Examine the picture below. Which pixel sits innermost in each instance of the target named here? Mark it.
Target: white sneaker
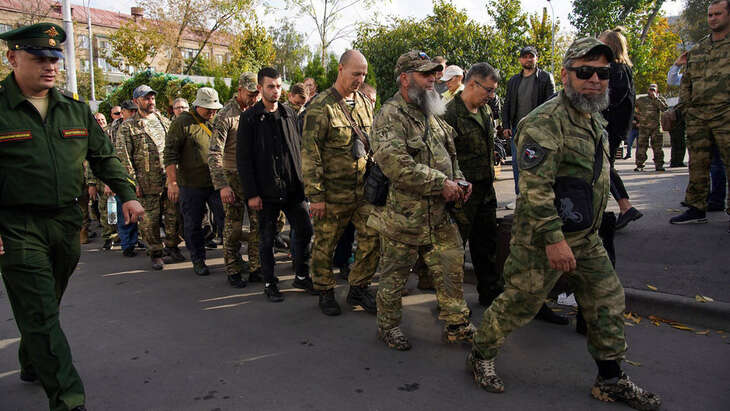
(511, 206)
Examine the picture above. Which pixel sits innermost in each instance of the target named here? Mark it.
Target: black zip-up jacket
(256, 149)
(622, 97)
(545, 89)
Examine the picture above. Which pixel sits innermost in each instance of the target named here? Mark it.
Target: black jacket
(545, 89)
(255, 156)
(622, 96)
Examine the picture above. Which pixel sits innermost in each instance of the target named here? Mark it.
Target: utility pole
(91, 50)
(69, 50)
(552, 19)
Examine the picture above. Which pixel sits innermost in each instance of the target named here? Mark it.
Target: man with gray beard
(563, 159)
(415, 150)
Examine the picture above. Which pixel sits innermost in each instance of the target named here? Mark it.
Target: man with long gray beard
(563, 159)
(415, 150)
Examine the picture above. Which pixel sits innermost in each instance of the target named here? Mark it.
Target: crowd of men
(411, 183)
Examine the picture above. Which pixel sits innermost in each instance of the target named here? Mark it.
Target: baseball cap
(207, 98)
(528, 49)
(41, 39)
(247, 81)
(415, 60)
(584, 46)
(128, 105)
(142, 91)
(451, 72)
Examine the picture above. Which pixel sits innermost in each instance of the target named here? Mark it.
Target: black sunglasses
(586, 72)
(116, 113)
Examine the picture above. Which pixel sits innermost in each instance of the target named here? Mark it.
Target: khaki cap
(207, 98)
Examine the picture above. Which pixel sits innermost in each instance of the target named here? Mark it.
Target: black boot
(547, 315)
(328, 304)
(580, 323)
(362, 296)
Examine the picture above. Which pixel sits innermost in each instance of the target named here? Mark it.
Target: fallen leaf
(706, 332)
(634, 363)
(628, 323)
(657, 323)
(703, 298)
(682, 327)
(651, 287)
(673, 210)
(720, 332)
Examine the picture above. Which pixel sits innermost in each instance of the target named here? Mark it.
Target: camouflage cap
(42, 39)
(583, 46)
(416, 61)
(247, 81)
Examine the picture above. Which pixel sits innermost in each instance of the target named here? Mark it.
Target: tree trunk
(650, 20)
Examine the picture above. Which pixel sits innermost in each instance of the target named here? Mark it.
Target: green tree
(252, 48)
(332, 69)
(316, 70)
(83, 81)
(653, 58)
(591, 17)
(291, 50)
(135, 45)
(694, 21)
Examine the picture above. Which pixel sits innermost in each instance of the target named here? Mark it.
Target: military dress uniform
(40, 184)
(223, 171)
(140, 144)
(704, 100)
(333, 176)
(649, 111)
(418, 155)
(477, 219)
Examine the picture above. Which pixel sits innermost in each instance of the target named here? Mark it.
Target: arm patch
(532, 155)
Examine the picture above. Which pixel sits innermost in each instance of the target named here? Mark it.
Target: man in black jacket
(525, 90)
(270, 168)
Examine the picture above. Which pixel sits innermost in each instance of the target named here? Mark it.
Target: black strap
(598, 159)
(354, 125)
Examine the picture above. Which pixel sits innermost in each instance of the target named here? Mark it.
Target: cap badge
(52, 33)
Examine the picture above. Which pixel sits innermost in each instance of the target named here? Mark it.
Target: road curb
(715, 315)
(687, 310)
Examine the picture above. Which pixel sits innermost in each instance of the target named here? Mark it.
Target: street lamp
(552, 19)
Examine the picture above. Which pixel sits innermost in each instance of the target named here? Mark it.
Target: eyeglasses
(586, 72)
(180, 108)
(116, 113)
(489, 90)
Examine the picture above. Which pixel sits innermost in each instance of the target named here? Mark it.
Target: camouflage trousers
(155, 205)
(445, 261)
(701, 135)
(84, 204)
(108, 231)
(233, 230)
(528, 280)
(642, 146)
(327, 232)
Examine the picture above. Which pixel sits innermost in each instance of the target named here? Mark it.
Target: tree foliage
(591, 17)
(136, 44)
(83, 81)
(653, 58)
(694, 21)
(251, 49)
(291, 49)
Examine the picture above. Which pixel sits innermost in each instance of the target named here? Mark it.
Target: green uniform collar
(15, 96)
(461, 110)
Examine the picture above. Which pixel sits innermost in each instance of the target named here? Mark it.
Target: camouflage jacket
(330, 173)
(474, 139)
(418, 163)
(705, 89)
(556, 140)
(140, 148)
(649, 111)
(222, 152)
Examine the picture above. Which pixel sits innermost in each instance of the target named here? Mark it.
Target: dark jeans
(630, 140)
(128, 233)
(718, 180)
(679, 143)
(515, 157)
(298, 216)
(344, 247)
(617, 185)
(192, 207)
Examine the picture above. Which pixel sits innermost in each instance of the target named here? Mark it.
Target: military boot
(328, 304)
(84, 235)
(255, 276)
(454, 333)
(623, 389)
(362, 296)
(28, 375)
(394, 338)
(484, 374)
(157, 263)
(173, 255)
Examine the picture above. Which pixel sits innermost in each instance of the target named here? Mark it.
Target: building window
(5, 27)
(188, 53)
(61, 65)
(219, 59)
(83, 41)
(84, 65)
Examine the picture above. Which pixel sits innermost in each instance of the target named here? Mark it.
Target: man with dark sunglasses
(562, 153)
(116, 113)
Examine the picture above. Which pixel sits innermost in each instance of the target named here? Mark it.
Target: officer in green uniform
(45, 135)
(564, 187)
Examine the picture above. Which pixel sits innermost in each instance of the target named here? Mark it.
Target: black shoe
(255, 276)
(176, 256)
(547, 315)
(200, 268)
(141, 245)
(684, 204)
(639, 168)
(692, 216)
(210, 244)
(157, 263)
(28, 375)
(107, 244)
(715, 207)
(129, 252)
(280, 243)
(660, 168)
(627, 156)
(273, 294)
(677, 165)
(630, 215)
(236, 281)
(328, 304)
(304, 284)
(486, 298)
(362, 296)
(344, 272)
(79, 408)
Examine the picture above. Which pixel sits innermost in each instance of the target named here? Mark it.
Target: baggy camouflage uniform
(140, 143)
(332, 176)
(704, 99)
(415, 221)
(648, 111)
(555, 140)
(223, 172)
(477, 219)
